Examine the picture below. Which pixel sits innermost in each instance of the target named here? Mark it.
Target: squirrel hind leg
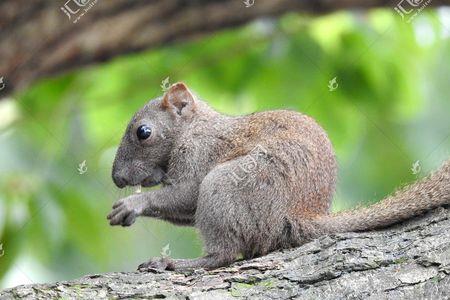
(210, 261)
(235, 210)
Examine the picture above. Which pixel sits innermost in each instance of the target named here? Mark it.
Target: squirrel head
(145, 149)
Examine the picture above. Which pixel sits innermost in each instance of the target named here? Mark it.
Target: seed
(138, 189)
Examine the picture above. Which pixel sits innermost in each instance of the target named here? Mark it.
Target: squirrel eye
(143, 132)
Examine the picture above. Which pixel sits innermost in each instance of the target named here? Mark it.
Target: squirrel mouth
(155, 177)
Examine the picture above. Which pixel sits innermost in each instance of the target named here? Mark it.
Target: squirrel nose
(119, 180)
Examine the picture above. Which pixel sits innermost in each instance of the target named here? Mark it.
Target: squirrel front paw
(126, 210)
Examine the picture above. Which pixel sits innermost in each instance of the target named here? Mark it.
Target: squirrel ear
(179, 99)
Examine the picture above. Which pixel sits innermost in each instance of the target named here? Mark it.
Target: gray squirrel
(250, 184)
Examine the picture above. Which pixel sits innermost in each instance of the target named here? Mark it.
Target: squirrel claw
(159, 264)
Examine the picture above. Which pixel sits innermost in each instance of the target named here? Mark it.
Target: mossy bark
(408, 261)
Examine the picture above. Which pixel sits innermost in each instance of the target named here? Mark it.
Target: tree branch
(408, 261)
(38, 38)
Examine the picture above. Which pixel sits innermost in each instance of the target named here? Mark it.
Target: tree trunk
(39, 39)
(407, 261)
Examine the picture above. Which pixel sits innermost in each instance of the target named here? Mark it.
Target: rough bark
(38, 39)
(407, 261)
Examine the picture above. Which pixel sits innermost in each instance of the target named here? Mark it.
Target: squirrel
(250, 184)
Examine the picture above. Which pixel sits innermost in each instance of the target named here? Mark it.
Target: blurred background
(378, 84)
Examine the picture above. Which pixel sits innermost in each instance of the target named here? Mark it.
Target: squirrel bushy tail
(428, 193)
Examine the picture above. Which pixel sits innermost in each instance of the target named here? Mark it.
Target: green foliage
(389, 110)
